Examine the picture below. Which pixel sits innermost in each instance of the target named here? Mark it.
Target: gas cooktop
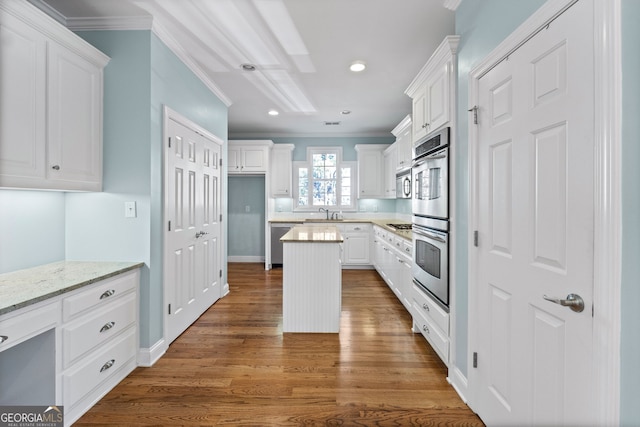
(400, 226)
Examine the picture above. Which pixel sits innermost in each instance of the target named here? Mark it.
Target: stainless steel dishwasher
(277, 231)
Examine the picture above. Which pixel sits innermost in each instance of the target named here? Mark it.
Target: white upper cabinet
(280, 172)
(404, 155)
(370, 171)
(248, 157)
(432, 90)
(390, 161)
(51, 104)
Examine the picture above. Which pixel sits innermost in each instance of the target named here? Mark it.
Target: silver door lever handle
(573, 301)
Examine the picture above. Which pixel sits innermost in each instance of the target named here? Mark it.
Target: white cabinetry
(432, 322)
(248, 157)
(370, 170)
(51, 106)
(403, 144)
(99, 340)
(392, 260)
(280, 172)
(433, 88)
(357, 244)
(390, 160)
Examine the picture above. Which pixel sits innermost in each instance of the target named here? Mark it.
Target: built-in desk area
(312, 279)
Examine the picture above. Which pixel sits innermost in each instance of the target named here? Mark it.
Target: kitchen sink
(322, 220)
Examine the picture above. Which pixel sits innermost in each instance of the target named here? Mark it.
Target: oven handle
(422, 160)
(429, 235)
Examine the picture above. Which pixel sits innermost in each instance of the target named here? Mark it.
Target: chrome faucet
(325, 211)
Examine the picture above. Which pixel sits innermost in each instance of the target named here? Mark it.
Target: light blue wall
(482, 25)
(347, 143)
(630, 381)
(247, 228)
(31, 229)
(143, 74)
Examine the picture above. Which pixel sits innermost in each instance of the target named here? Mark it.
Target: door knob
(573, 301)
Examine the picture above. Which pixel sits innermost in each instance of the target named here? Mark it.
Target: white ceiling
(301, 48)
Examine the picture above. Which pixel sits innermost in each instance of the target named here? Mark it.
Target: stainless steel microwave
(403, 185)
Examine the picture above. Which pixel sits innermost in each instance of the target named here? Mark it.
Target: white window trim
(340, 164)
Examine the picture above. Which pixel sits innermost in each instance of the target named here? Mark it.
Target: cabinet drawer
(26, 323)
(99, 294)
(99, 368)
(427, 307)
(363, 228)
(434, 336)
(95, 329)
(407, 248)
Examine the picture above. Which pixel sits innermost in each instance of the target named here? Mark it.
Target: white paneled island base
(312, 279)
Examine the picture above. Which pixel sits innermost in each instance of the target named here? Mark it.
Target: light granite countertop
(22, 288)
(379, 222)
(320, 233)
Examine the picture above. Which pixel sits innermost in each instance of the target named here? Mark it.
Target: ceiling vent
(331, 123)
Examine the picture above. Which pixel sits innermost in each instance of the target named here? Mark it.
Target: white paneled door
(192, 219)
(536, 229)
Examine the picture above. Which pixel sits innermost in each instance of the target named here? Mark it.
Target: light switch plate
(130, 209)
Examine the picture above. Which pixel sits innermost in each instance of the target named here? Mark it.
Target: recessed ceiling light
(273, 112)
(357, 66)
(248, 67)
(345, 112)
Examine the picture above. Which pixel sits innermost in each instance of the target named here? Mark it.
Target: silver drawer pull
(3, 338)
(107, 365)
(424, 328)
(107, 294)
(425, 306)
(107, 326)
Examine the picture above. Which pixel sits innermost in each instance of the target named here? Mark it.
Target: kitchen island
(312, 279)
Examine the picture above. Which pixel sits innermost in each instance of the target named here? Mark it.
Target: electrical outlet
(247, 208)
(130, 210)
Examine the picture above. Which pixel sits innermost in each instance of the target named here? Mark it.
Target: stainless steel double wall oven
(430, 208)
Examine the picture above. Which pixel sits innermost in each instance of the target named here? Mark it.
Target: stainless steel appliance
(430, 206)
(403, 185)
(430, 268)
(430, 174)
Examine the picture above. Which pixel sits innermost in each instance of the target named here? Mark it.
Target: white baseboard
(225, 290)
(240, 258)
(459, 383)
(147, 357)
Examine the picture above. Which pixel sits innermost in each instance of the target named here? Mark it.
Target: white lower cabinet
(432, 322)
(357, 244)
(71, 349)
(99, 341)
(392, 260)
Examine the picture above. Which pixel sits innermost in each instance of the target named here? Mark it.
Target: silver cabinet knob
(107, 294)
(107, 365)
(55, 167)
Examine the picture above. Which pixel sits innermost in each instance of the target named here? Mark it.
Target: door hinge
(475, 238)
(169, 308)
(220, 161)
(475, 114)
(475, 359)
(220, 217)
(220, 273)
(169, 142)
(169, 225)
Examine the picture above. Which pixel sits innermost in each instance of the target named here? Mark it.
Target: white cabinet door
(74, 120)
(437, 91)
(249, 157)
(234, 159)
(420, 123)
(370, 171)
(390, 161)
(22, 102)
(254, 159)
(280, 171)
(404, 148)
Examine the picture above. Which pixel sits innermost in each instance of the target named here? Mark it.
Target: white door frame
(607, 182)
(167, 115)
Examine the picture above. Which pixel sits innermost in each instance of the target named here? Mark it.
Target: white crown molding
(110, 23)
(451, 4)
(46, 8)
(276, 135)
(404, 123)
(184, 56)
(448, 49)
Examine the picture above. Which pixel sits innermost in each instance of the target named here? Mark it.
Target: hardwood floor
(234, 366)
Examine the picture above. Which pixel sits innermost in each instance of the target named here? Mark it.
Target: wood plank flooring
(234, 366)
